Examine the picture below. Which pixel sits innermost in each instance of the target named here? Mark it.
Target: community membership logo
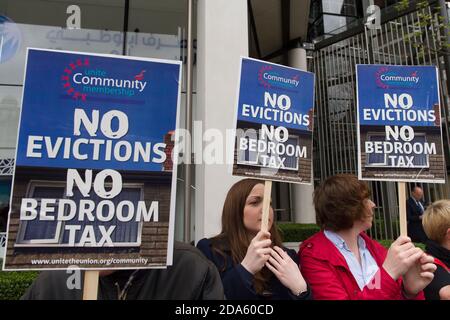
(269, 78)
(385, 78)
(80, 79)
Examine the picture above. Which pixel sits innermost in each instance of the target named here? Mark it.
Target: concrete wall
(222, 38)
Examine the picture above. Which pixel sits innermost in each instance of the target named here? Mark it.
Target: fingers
(262, 240)
(274, 263)
(415, 256)
(426, 259)
(261, 235)
(277, 255)
(281, 252)
(264, 251)
(428, 267)
(274, 271)
(263, 244)
(410, 252)
(407, 246)
(427, 275)
(401, 240)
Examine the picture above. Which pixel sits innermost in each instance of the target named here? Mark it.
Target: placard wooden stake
(266, 205)
(90, 289)
(402, 208)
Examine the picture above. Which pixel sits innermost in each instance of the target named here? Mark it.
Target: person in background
(414, 212)
(436, 223)
(342, 262)
(191, 277)
(252, 263)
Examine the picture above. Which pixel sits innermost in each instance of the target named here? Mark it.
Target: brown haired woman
(252, 263)
(342, 262)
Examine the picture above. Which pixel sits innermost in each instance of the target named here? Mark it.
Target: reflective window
(142, 28)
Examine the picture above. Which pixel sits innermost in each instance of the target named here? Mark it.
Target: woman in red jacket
(342, 262)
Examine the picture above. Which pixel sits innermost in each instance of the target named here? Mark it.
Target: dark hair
(339, 202)
(234, 237)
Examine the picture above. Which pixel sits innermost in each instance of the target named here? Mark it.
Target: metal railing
(335, 141)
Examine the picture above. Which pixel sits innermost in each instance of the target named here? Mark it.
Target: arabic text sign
(274, 122)
(93, 185)
(399, 124)
(17, 37)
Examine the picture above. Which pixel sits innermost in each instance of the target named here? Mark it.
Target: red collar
(440, 263)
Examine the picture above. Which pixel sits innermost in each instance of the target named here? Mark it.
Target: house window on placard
(291, 162)
(246, 156)
(254, 157)
(53, 233)
(376, 159)
(381, 159)
(125, 233)
(37, 231)
(420, 160)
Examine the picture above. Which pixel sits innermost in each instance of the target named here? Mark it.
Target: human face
(253, 210)
(366, 221)
(418, 193)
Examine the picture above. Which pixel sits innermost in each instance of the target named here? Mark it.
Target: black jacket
(191, 277)
(238, 282)
(415, 228)
(441, 275)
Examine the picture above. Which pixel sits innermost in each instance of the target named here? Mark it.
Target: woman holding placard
(436, 223)
(252, 263)
(342, 262)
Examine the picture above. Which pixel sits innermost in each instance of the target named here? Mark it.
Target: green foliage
(387, 244)
(296, 232)
(378, 230)
(402, 5)
(14, 284)
(426, 20)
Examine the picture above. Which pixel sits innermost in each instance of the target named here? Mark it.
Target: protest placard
(274, 124)
(94, 183)
(399, 126)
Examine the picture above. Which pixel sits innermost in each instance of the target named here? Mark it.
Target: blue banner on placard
(399, 124)
(275, 95)
(94, 179)
(92, 111)
(397, 95)
(274, 122)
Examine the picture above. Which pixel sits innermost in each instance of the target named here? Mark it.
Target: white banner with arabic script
(15, 38)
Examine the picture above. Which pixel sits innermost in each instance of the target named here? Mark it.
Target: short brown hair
(339, 202)
(436, 220)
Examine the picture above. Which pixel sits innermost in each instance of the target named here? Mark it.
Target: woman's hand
(286, 270)
(258, 252)
(444, 293)
(419, 275)
(400, 257)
